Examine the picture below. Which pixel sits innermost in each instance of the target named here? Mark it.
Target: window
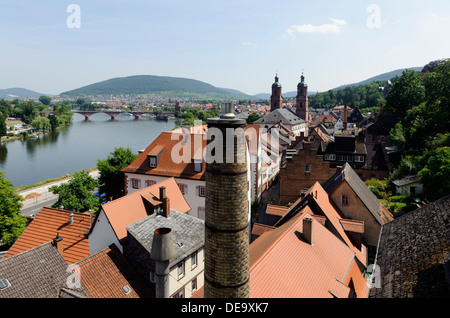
(152, 162)
(359, 158)
(135, 183)
(308, 169)
(179, 294)
(149, 183)
(344, 199)
(198, 166)
(201, 191)
(194, 285)
(347, 158)
(194, 258)
(330, 156)
(183, 188)
(181, 269)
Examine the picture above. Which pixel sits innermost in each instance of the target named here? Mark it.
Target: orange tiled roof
(166, 165)
(131, 208)
(319, 195)
(276, 209)
(106, 273)
(284, 265)
(47, 224)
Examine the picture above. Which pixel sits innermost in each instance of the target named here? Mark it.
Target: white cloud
(335, 27)
(248, 44)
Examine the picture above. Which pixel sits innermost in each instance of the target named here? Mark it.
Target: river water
(77, 147)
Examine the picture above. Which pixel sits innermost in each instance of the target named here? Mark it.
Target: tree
(41, 123)
(12, 222)
(252, 118)
(77, 194)
(3, 128)
(29, 111)
(408, 91)
(46, 100)
(54, 123)
(111, 180)
(434, 176)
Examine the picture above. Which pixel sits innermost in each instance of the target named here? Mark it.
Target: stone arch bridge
(113, 114)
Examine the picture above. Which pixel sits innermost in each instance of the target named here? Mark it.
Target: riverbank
(39, 192)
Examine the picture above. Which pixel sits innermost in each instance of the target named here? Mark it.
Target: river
(76, 147)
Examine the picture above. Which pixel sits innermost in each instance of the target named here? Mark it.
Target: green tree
(77, 194)
(12, 223)
(252, 118)
(54, 123)
(3, 129)
(111, 180)
(29, 111)
(434, 176)
(46, 100)
(41, 123)
(408, 91)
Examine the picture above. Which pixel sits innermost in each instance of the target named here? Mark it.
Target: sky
(55, 46)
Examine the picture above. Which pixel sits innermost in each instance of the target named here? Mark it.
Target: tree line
(419, 103)
(41, 114)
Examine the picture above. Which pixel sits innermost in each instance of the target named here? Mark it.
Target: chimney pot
(58, 242)
(166, 207)
(162, 193)
(70, 217)
(308, 230)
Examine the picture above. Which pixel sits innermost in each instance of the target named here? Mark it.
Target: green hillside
(382, 77)
(11, 93)
(151, 84)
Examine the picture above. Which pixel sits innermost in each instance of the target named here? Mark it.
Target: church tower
(276, 100)
(301, 104)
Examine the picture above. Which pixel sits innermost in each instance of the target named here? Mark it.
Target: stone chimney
(162, 252)
(59, 244)
(227, 209)
(308, 230)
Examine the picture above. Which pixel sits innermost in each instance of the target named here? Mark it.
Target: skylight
(4, 283)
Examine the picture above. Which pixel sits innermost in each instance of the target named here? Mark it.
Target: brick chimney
(162, 193)
(227, 211)
(166, 207)
(59, 244)
(308, 230)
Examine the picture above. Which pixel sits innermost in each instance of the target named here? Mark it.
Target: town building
(184, 267)
(110, 224)
(68, 228)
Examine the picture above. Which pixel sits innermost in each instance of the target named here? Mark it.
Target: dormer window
(198, 165)
(154, 155)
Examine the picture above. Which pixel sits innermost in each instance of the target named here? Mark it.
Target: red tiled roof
(106, 273)
(47, 224)
(131, 208)
(276, 210)
(167, 166)
(284, 265)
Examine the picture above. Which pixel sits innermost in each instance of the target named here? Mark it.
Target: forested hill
(366, 95)
(151, 84)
